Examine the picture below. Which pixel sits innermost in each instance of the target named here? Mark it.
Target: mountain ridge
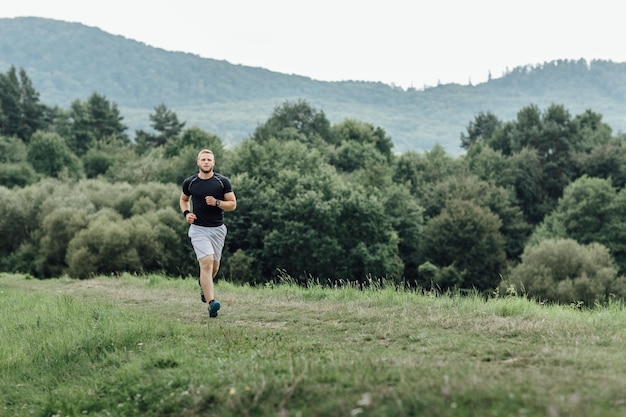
(68, 61)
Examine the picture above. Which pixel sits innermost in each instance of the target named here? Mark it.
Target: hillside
(68, 61)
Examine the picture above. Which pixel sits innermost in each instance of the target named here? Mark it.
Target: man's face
(206, 162)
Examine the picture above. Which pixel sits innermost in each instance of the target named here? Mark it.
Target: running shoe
(213, 307)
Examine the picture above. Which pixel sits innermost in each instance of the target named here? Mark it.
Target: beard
(206, 171)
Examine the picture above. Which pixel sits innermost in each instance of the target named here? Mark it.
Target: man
(211, 194)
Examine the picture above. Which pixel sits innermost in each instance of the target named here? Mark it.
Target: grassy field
(130, 346)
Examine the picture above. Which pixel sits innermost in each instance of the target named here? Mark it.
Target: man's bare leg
(208, 270)
(206, 277)
(216, 267)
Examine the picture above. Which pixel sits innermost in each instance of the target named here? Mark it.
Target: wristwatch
(217, 203)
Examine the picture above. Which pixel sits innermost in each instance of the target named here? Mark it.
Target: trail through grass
(127, 346)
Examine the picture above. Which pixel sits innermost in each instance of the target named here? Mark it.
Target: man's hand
(190, 217)
(210, 200)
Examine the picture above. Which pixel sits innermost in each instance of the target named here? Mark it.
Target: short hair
(205, 151)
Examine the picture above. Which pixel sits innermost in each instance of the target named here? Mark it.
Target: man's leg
(206, 277)
(216, 267)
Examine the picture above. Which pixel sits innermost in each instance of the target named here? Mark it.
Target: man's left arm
(229, 203)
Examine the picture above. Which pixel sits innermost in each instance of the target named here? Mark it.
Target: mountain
(68, 61)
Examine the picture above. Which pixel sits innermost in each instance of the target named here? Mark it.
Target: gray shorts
(207, 240)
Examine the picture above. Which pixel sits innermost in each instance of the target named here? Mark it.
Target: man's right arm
(184, 206)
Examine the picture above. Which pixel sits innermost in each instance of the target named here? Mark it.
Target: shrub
(564, 271)
(105, 246)
(58, 227)
(17, 175)
(49, 153)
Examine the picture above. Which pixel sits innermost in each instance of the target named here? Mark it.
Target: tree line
(534, 206)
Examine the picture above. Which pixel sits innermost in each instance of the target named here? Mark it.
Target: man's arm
(184, 205)
(184, 202)
(229, 203)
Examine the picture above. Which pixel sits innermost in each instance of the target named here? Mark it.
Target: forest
(533, 206)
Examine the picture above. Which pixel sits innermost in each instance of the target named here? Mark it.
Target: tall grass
(126, 346)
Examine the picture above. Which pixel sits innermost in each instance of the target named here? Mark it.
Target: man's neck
(205, 175)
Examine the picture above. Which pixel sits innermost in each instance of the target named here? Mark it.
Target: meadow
(144, 346)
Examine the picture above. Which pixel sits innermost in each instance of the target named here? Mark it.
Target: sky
(404, 43)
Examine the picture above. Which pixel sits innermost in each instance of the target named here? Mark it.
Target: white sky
(401, 42)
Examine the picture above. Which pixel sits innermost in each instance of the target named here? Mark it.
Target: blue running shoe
(213, 307)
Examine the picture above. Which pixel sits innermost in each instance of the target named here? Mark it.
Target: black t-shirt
(198, 189)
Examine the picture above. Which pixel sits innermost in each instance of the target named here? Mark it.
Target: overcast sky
(400, 42)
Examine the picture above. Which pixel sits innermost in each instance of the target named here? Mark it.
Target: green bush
(17, 174)
(97, 162)
(50, 155)
(239, 268)
(467, 237)
(105, 246)
(151, 242)
(564, 271)
(17, 222)
(58, 228)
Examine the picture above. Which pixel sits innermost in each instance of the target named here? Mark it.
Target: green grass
(129, 346)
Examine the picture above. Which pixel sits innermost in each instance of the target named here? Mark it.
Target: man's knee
(206, 261)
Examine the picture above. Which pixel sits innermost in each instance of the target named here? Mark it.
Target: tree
(15, 171)
(524, 174)
(94, 120)
(562, 144)
(556, 147)
(483, 127)
(10, 117)
(520, 171)
(487, 163)
(97, 162)
(21, 113)
(105, 118)
(165, 122)
(32, 112)
(50, 156)
(330, 231)
(81, 136)
(304, 219)
(351, 156)
(604, 161)
(466, 237)
(361, 146)
(196, 139)
(297, 120)
(498, 200)
(418, 171)
(351, 130)
(591, 130)
(585, 209)
(407, 220)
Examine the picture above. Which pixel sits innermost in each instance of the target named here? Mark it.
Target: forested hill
(68, 61)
